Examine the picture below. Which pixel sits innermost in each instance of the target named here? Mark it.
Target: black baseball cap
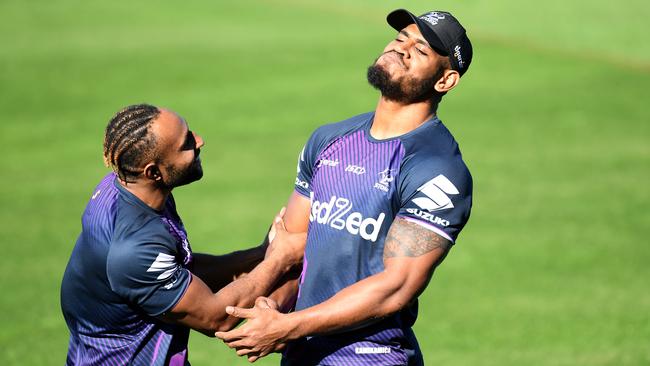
(444, 33)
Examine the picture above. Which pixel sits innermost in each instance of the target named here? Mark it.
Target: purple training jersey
(357, 186)
(129, 266)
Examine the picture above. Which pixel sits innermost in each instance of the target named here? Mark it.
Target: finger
(230, 336)
(280, 347)
(279, 225)
(280, 216)
(252, 359)
(238, 344)
(272, 232)
(264, 352)
(240, 312)
(244, 351)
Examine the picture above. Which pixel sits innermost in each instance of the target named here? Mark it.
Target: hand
(262, 333)
(288, 246)
(272, 231)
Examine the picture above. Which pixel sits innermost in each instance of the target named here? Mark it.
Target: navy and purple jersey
(129, 266)
(357, 186)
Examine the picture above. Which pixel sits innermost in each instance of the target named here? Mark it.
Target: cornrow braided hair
(128, 142)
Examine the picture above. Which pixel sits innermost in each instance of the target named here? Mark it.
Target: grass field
(552, 118)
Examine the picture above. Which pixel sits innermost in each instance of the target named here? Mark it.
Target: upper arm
(296, 216)
(436, 194)
(148, 275)
(411, 254)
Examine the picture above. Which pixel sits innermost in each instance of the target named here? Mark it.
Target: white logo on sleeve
(436, 191)
(301, 158)
(164, 263)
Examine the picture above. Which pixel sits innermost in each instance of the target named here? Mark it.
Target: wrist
(293, 326)
(278, 264)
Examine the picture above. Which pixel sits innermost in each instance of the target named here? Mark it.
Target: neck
(394, 119)
(148, 193)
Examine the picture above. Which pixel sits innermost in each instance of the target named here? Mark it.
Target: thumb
(239, 312)
(279, 225)
(272, 232)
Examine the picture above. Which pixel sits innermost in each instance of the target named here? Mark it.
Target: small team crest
(386, 176)
(433, 17)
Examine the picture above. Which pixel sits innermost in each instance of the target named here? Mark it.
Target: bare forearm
(204, 311)
(217, 271)
(356, 306)
(243, 292)
(286, 290)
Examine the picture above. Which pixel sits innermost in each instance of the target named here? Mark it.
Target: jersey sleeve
(306, 164)
(147, 274)
(437, 197)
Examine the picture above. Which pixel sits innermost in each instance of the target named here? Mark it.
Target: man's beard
(406, 89)
(177, 177)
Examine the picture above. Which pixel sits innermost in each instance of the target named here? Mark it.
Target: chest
(354, 185)
(355, 166)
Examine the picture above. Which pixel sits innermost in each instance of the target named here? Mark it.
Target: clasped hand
(261, 334)
(288, 246)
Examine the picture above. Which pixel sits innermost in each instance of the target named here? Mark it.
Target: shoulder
(137, 244)
(103, 199)
(135, 225)
(434, 155)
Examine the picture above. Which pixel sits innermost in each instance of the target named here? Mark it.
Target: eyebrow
(417, 39)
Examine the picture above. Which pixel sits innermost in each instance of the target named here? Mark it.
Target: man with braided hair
(132, 287)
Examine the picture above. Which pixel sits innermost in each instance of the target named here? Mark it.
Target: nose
(199, 140)
(403, 47)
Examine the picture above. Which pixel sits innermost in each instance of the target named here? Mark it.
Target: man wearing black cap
(382, 197)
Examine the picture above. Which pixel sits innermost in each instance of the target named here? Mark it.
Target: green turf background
(552, 119)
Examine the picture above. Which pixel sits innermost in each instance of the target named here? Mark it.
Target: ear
(448, 81)
(152, 172)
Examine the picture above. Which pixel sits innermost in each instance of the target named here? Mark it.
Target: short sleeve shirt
(129, 265)
(357, 186)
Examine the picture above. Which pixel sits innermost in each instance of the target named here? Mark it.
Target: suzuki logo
(436, 191)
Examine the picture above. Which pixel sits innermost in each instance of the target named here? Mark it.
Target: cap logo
(432, 17)
(459, 58)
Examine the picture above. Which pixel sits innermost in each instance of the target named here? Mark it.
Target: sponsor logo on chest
(327, 162)
(337, 213)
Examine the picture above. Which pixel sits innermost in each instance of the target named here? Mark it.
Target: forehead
(412, 31)
(169, 127)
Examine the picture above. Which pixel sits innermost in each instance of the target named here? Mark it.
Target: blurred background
(552, 119)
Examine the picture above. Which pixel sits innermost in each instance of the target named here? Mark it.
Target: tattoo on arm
(408, 239)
